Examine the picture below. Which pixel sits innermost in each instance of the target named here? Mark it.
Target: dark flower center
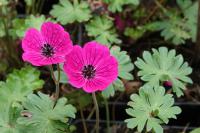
(47, 50)
(88, 71)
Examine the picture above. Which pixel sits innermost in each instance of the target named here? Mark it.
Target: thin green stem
(97, 112)
(91, 113)
(41, 6)
(56, 81)
(83, 120)
(107, 115)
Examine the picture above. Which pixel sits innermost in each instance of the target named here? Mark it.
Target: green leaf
(191, 16)
(102, 29)
(8, 118)
(178, 28)
(125, 66)
(46, 115)
(164, 65)
(13, 91)
(66, 12)
(19, 84)
(174, 30)
(20, 25)
(117, 85)
(124, 63)
(184, 4)
(197, 130)
(117, 5)
(110, 91)
(151, 108)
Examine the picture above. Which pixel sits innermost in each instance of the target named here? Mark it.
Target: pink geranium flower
(91, 68)
(49, 46)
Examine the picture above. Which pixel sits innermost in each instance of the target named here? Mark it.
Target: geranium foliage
(164, 65)
(19, 84)
(46, 115)
(13, 91)
(151, 108)
(180, 25)
(117, 5)
(101, 28)
(67, 12)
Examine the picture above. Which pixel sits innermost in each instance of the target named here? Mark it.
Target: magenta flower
(91, 68)
(50, 46)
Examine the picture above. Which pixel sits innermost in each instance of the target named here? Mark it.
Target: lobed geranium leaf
(8, 119)
(46, 115)
(124, 63)
(150, 108)
(179, 28)
(117, 85)
(190, 11)
(125, 66)
(19, 84)
(102, 29)
(66, 12)
(13, 91)
(116, 5)
(164, 65)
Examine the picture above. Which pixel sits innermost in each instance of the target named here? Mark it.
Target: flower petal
(73, 67)
(107, 69)
(94, 52)
(55, 35)
(75, 78)
(33, 57)
(66, 46)
(95, 85)
(75, 60)
(32, 41)
(37, 59)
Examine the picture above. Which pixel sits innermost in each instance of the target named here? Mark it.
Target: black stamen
(47, 50)
(88, 71)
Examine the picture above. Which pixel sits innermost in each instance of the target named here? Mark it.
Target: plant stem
(83, 120)
(56, 81)
(97, 112)
(107, 115)
(91, 113)
(41, 6)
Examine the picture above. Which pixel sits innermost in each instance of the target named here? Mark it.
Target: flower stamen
(47, 50)
(88, 72)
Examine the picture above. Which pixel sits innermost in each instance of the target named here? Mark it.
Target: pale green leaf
(151, 108)
(101, 28)
(68, 12)
(46, 115)
(117, 5)
(163, 65)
